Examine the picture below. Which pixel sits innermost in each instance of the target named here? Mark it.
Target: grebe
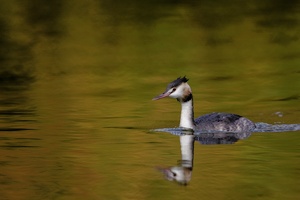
(180, 90)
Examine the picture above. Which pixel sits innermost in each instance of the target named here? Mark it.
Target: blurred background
(77, 79)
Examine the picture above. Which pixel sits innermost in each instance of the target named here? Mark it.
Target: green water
(77, 79)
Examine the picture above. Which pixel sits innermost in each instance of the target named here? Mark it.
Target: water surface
(77, 79)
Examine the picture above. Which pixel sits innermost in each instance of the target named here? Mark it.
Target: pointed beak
(163, 95)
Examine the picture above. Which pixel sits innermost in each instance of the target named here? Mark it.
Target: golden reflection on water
(77, 79)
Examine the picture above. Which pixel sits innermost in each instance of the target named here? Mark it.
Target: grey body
(223, 122)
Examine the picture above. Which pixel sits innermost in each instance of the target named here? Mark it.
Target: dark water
(77, 79)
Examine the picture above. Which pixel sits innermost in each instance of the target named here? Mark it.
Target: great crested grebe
(180, 90)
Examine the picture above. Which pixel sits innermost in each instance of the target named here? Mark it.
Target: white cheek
(178, 92)
(175, 94)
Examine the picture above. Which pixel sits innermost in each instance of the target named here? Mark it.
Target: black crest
(177, 82)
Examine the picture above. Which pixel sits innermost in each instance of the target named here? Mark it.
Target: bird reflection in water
(182, 173)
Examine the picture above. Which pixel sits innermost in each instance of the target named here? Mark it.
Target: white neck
(187, 115)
